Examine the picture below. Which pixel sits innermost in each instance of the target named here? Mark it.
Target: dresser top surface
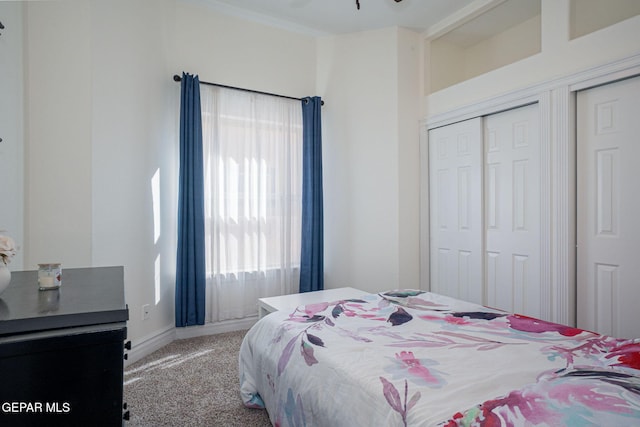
(88, 296)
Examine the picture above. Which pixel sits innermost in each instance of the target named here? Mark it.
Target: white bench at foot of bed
(285, 302)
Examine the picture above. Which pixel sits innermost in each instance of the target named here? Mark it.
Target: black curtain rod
(177, 78)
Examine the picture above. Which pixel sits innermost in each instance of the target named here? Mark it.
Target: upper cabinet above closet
(503, 35)
(588, 16)
(511, 31)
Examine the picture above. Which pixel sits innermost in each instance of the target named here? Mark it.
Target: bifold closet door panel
(608, 207)
(512, 210)
(455, 200)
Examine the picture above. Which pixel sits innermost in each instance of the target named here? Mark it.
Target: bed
(414, 358)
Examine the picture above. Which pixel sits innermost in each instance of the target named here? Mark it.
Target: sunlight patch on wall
(155, 191)
(157, 279)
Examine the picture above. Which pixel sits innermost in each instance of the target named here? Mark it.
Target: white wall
(235, 52)
(408, 127)
(102, 104)
(559, 56)
(11, 126)
(135, 107)
(58, 134)
(370, 143)
(102, 129)
(100, 121)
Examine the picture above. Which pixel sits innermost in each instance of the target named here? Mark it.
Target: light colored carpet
(192, 382)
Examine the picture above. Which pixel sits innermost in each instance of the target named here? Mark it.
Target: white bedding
(414, 358)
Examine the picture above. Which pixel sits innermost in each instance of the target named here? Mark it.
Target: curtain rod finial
(176, 78)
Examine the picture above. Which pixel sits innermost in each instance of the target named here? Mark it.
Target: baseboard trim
(149, 344)
(215, 328)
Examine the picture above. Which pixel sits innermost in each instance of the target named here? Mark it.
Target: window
(253, 193)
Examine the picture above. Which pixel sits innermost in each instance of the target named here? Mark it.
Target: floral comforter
(410, 358)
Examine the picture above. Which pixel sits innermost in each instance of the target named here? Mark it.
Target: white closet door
(455, 194)
(608, 208)
(512, 210)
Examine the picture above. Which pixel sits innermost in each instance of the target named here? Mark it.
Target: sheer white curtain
(253, 195)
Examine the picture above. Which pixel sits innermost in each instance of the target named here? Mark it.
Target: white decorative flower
(8, 248)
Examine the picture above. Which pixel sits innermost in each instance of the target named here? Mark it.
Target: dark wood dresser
(61, 351)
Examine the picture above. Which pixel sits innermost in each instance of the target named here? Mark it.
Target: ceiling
(324, 17)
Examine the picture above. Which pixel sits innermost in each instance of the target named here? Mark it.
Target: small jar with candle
(49, 276)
